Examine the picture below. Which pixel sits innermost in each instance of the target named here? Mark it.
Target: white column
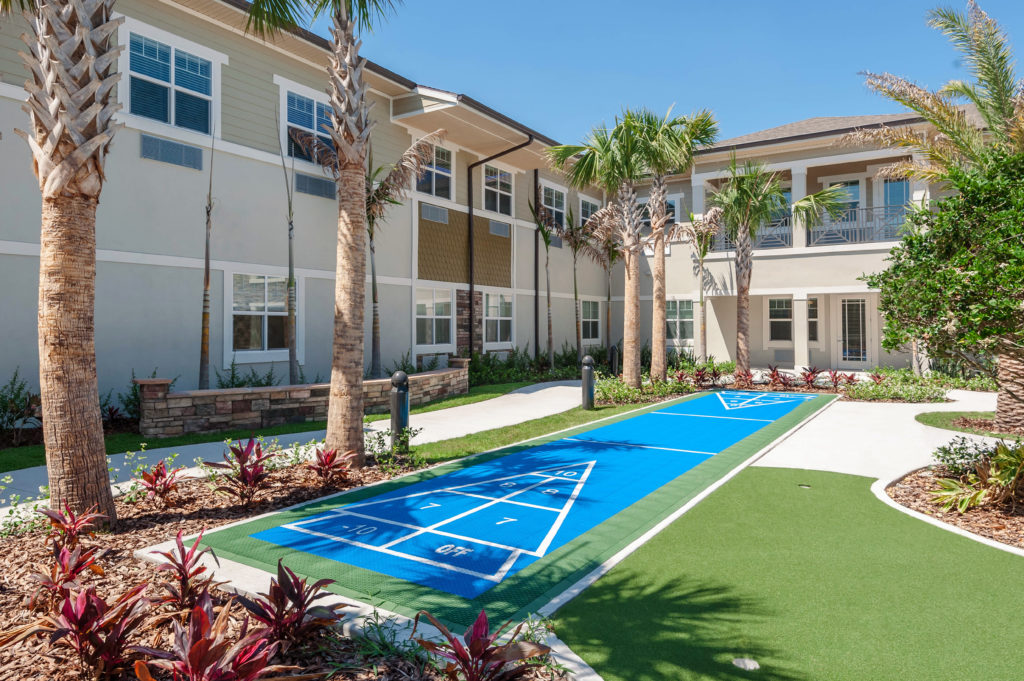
(799, 191)
(697, 186)
(801, 348)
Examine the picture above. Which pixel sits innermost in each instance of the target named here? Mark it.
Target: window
(498, 318)
(679, 319)
(780, 319)
(500, 228)
(433, 316)
(587, 209)
(852, 202)
(554, 200)
(812, 320)
(497, 190)
(436, 180)
(307, 115)
(169, 85)
(591, 324)
(897, 193)
(259, 312)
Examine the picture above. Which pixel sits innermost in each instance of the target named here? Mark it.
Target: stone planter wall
(165, 413)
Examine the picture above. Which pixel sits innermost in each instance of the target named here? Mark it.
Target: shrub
(248, 473)
(961, 455)
(611, 390)
(158, 481)
(743, 379)
(234, 378)
(810, 376)
(61, 578)
(17, 403)
(481, 658)
(390, 459)
(997, 478)
(131, 401)
(896, 391)
(877, 377)
(835, 378)
(288, 612)
(68, 527)
(189, 578)
(329, 466)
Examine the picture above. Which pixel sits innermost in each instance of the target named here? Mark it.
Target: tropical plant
(997, 479)
(17, 403)
(546, 227)
(159, 481)
(610, 254)
(247, 471)
(701, 233)
(579, 238)
(188, 575)
(961, 455)
(72, 64)
(68, 527)
(750, 197)
(60, 578)
(350, 134)
(288, 610)
(328, 465)
(809, 375)
(290, 304)
(204, 333)
(667, 144)
(479, 656)
(835, 377)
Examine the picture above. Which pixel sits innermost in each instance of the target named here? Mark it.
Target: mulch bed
(983, 425)
(193, 507)
(1004, 525)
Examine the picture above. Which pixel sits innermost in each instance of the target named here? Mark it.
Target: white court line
(507, 501)
(542, 549)
(709, 416)
(626, 444)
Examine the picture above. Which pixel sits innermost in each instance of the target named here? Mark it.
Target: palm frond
(10, 6)
(544, 221)
(810, 209)
(397, 184)
(939, 153)
(268, 17)
(319, 152)
(578, 237)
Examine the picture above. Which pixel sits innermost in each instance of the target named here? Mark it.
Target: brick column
(462, 330)
(152, 400)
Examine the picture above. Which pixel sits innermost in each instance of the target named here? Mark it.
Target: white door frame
(869, 332)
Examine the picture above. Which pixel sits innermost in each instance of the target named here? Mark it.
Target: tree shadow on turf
(673, 629)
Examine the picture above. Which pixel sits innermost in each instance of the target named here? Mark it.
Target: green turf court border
(534, 586)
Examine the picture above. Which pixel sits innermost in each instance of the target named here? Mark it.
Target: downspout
(472, 259)
(536, 267)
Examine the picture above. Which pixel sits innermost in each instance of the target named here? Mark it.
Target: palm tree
(667, 144)
(701, 233)
(751, 196)
(956, 141)
(72, 65)
(580, 240)
(204, 332)
(350, 133)
(600, 225)
(546, 227)
(290, 319)
(611, 160)
(380, 193)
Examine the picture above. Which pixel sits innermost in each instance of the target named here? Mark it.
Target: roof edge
(808, 135)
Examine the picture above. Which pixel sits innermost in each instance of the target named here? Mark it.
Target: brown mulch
(193, 507)
(984, 425)
(1002, 524)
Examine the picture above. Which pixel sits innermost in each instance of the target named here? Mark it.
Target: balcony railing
(859, 226)
(778, 234)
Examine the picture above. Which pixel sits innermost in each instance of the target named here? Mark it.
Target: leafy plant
(743, 379)
(67, 527)
(288, 612)
(877, 377)
(189, 579)
(58, 580)
(158, 481)
(247, 471)
(701, 377)
(17, 403)
(810, 376)
(234, 378)
(478, 656)
(405, 364)
(850, 379)
(330, 466)
(390, 459)
(997, 478)
(961, 455)
(895, 391)
(836, 378)
(131, 401)
(380, 638)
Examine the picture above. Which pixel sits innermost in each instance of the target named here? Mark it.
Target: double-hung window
(780, 319)
(310, 116)
(169, 85)
(259, 312)
(812, 320)
(436, 180)
(554, 200)
(851, 202)
(433, 316)
(498, 318)
(587, 209)
(497, 190)
(679, 320)
(591, 321)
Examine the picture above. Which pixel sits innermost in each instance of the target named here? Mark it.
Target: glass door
(853, 333)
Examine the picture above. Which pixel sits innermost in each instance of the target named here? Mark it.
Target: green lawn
(944, 419)
(33, 455)
(815, 583)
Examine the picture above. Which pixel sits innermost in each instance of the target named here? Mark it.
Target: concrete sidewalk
(879, 440)
(525, 404)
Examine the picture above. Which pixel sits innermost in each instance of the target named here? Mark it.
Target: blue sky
(563, 66)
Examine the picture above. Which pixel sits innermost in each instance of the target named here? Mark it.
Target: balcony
(859, 226)
(778, 234)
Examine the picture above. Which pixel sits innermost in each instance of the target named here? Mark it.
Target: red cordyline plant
(159, 481)
(189, 576)
(202, 650)
(61, 578)
(329, 465)
(479, 656)
(836, 378)
(850, 379)
(743, 379)
(877, 377)
(97, 631)
(287, 611)
(248, 471)
(67, 527)
(810, 376)
(701, 377)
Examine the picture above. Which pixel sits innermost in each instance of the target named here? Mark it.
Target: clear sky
(564, 66)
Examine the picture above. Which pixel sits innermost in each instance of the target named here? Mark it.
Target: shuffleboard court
(507, 528)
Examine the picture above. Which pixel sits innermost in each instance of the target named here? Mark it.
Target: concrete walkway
(879, 440)
(525, 404)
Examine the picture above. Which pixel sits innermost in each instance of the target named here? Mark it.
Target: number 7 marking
(506, 520)
(430, 504)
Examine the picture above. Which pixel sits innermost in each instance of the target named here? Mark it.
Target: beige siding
(12, 70)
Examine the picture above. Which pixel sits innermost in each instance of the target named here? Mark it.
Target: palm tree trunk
(608, 317)
(204, 340)
(703, 312)
(76, 460)
(576, 309)
(345, 408)
(376, 371)
(744, 262)
(1010, 402)
(547, 293)
(293, 351)
(659, 357)
(631, 312)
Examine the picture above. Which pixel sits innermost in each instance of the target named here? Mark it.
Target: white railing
(859, 226)
(777, 234)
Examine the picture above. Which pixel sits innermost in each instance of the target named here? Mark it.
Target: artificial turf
(815, 583)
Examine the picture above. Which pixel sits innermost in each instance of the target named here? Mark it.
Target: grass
(15, 458)
(822, 582)
(944, 419)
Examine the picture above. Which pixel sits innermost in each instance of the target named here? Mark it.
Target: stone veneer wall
(165, 413)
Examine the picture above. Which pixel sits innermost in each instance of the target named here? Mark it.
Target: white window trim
(683, 342)
(483, 188)
(600, 319)
(860, 178)
(258, 356)
(580, 198)
(815, 344)
(871, 335)
(455, 185)
(507, 345)
(435, 348)
(766, 326)
(283, 87)
(557, 188)
(216, 59)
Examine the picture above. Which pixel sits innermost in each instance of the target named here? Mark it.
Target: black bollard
(614, 360)
(588, 382)
(399, 411)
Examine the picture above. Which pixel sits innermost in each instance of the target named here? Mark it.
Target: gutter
(470, 201)
(536, 269)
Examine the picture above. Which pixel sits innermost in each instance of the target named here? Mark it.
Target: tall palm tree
(350, 133)
(579, 237)
(700, 233)
(72, 65)
(204, 331)
(611, 160)
(546, 227)
(600, 226)
(382, 190)
(291, 316)
(667, 144)
(955, 140)
(751, 196)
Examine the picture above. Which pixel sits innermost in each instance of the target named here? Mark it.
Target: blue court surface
(466, 531)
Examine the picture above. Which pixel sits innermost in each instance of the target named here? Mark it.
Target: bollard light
(588, 382)
(399, 410)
